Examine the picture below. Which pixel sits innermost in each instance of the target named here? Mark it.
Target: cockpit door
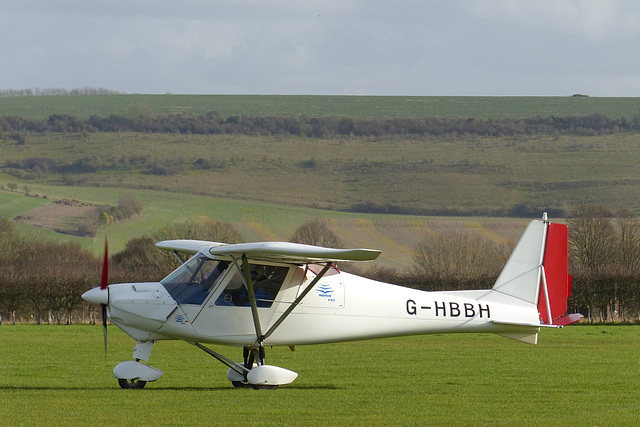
(227, 311)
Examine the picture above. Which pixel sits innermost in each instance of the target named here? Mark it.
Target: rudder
(555, 286)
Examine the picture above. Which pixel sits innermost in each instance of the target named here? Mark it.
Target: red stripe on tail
(557, 273)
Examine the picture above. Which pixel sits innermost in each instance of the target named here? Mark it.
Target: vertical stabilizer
(537, 272)
(520, 277)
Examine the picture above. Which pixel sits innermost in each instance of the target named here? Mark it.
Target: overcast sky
(337, 47)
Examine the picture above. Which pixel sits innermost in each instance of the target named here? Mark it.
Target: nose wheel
(131, 384)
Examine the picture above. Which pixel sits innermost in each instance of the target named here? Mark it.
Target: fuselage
(340, 307)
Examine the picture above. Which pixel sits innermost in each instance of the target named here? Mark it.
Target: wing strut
(295, 303)
(175, 253)
(246, 277)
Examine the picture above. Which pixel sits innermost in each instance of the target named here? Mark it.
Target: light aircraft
(253, 295)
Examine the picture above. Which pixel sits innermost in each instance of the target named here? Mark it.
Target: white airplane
(253, 295)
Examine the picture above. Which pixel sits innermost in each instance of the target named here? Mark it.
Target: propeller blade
(104, 325)
(103, 285)
(105, 266)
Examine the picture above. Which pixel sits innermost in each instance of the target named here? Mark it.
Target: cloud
(484, 47)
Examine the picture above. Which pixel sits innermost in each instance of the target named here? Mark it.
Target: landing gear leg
(248, 358)
(259, 354)
(250, 374)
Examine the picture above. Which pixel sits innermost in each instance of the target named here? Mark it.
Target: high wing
(286, 252)
(282, 252)
(189, 246)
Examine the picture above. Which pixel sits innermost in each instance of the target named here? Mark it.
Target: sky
(328, 47)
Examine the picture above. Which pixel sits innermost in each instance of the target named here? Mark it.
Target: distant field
(395, 235)
(426, 175)
(269, 185)
(292, 105)
(580, 375)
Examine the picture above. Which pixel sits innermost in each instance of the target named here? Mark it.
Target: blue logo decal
(181, 319)
(325, 291)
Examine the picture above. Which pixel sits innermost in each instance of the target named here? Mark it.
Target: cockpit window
(192, 282)
(267, 281)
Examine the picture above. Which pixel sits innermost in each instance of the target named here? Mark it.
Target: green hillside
(395, 235)
(83, 106)
(267, 185)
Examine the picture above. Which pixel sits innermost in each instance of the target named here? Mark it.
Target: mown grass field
(292, 105)
(580, 375)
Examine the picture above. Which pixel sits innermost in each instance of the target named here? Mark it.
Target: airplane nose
(96, 296)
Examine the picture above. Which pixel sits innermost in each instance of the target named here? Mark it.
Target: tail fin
(537, 271)
(555, 286)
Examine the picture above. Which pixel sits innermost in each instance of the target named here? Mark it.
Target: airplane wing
(272, 251)
(294, 252)
(189, 246)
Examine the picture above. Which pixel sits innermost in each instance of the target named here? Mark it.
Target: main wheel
(240, 384)
(264, 387)
(125, 383)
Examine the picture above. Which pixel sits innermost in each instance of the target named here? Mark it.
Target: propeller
(103, 285)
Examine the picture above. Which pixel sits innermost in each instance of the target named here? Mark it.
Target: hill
(83, 106)
(267, 185)
(395, 235)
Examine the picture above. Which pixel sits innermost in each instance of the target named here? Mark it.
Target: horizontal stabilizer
(568, 319)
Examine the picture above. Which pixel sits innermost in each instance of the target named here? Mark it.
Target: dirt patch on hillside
(62, 216)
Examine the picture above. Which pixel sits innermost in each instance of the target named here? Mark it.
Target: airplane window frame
(195, 280)
(266, 284)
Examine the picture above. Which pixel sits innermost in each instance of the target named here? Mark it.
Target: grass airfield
(579, 375)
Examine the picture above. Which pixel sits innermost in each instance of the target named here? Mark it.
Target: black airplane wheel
(240, 384)
(131, 384)
(264, 387)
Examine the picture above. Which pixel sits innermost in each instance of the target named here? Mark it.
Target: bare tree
(316, 232)
(459, 260)
(592, 237)
(141, 260)
(205, 228)
(629, 241)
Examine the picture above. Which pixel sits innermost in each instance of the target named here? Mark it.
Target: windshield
(192, 282)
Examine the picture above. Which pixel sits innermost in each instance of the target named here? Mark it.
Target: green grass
(12, 204)
(584, 375)
(354, 106)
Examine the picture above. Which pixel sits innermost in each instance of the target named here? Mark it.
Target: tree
(592, 237)
(140, 112)
(129, 206)
(11, 293)
(316, 232)
(205, 228)
(629, 241)
(459, 260)
(142, 260)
